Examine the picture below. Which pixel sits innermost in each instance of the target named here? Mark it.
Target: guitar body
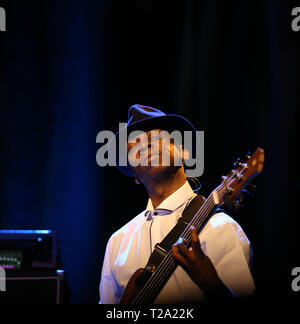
(132, 289)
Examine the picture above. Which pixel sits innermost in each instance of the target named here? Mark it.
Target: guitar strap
(161, 249)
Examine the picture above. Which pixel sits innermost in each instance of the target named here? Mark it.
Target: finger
(182, 248)
(178, 257)
(196, 246)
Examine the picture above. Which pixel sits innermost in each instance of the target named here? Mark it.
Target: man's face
(154, 154)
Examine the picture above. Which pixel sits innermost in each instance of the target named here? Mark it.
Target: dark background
(71, 68)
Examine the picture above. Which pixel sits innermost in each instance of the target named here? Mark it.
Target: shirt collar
(174, 201)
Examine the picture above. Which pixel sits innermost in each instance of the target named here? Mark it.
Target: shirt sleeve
(108, 286)
(229, 249)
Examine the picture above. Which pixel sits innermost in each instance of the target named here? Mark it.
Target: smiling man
(217, 265)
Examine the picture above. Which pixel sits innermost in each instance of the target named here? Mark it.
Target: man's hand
(197, 265)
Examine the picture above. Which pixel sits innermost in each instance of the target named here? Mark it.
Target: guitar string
(197, 224)
(169, 257)
(162, 267)
(186, 231)
(171, 260)
(167, 263)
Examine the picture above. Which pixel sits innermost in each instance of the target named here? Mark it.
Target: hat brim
(168, 123)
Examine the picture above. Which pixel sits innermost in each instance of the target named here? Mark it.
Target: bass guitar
(228, 192)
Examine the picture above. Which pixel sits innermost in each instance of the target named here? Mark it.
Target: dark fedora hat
(145, 118)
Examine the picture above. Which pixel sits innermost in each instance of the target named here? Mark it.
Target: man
(218, 266)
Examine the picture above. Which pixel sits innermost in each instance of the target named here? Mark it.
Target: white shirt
(222, 240)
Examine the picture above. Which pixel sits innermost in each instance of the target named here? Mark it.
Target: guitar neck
(159, 278)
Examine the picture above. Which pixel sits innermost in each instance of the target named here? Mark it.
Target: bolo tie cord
(151, 235)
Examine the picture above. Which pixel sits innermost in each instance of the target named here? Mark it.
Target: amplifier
(27, 250)
(34, 288)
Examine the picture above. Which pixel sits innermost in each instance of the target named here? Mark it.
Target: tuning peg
(229, 189)
(237, 163)
(244, 165)
(224, 178)
(234, 173)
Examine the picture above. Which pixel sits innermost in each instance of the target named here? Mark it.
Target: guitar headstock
(239, 178)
